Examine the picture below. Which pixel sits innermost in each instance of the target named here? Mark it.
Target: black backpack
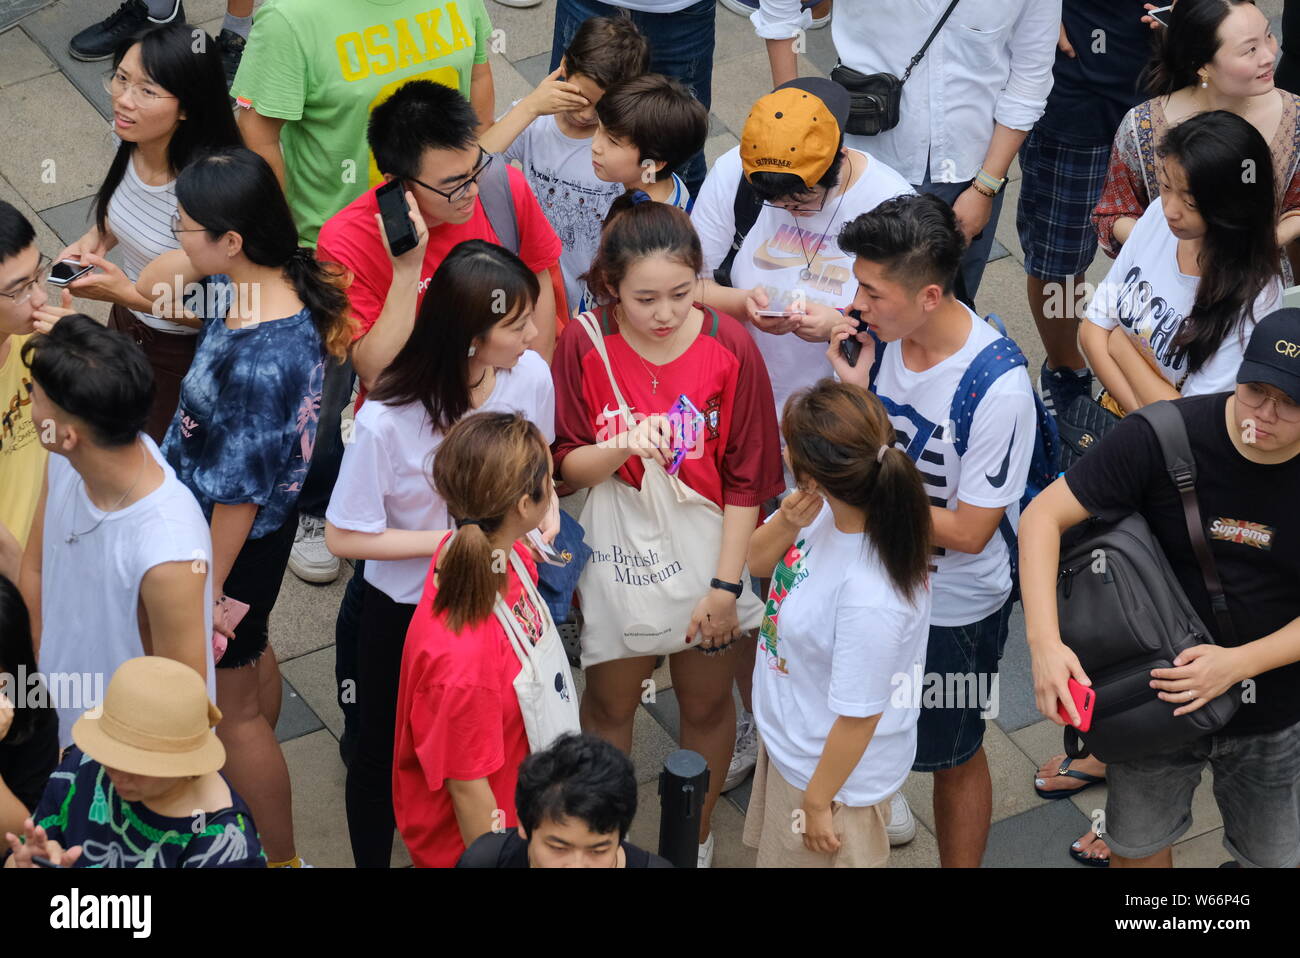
(1123, 613)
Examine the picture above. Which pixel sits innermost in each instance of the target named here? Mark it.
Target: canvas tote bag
(654, 551)
(544, 685)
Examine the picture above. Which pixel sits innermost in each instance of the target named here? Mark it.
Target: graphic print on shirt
(574, 209)
(1151, 320)
(16, 430)
(791, 247)
(790, 571)
(1243, 532)
(930, 446)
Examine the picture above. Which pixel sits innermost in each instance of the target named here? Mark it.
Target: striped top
(140, 216)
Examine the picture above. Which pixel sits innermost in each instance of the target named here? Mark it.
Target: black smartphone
(402, 237)
(851, 348)
(1161, 14)
(45, 862)
(66, 270)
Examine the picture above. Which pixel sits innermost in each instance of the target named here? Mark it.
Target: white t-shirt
(990, 475)
(777, 250)
(836, 636)
(140, 216)
(574, 199)
(1150, 296)
(90, 588)
(385, 479)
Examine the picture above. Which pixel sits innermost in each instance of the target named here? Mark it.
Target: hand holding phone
(1159, 14)
(232, 612)
(66, 270)
(547, 553)
(686, 422)
(1085, 702)
(395, 215)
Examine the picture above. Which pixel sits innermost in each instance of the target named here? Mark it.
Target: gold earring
(1205, 81)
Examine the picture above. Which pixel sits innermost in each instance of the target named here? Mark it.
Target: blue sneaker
(1060, 387)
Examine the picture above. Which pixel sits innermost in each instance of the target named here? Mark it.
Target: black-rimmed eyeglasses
(458, 193)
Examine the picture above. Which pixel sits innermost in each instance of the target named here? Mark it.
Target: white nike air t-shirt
(990, 475)
(780, 247)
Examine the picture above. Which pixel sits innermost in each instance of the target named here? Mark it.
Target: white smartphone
(773, 312)
(1161, 15)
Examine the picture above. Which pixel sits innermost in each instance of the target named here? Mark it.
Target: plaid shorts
(1059, 188)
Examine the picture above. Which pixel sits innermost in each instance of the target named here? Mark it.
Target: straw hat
(156, 720)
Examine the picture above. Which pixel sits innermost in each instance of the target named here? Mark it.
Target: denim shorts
(1256, 786)
(964, 659)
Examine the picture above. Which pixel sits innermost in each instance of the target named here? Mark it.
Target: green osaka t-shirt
(323, 66)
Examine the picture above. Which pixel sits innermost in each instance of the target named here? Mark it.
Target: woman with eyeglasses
(243, 434)
(169, 105)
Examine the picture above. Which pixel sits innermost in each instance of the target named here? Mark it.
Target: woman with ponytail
(242, 437)
(468, 350)
(848, 613)
(460, 732)
(1214, 55)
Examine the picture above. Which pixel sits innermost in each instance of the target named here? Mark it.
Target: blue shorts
(1060, 186)
(961, 668)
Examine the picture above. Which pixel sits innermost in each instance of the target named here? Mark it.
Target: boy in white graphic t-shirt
(908, 251)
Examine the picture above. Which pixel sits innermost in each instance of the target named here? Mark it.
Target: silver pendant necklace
(806, 274)
(71, 539)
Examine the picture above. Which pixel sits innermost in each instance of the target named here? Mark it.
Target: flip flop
(1088, 780)
(1082, 859)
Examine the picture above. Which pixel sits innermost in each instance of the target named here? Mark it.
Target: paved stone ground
(55, 153)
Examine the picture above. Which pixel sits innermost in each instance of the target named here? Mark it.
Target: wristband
(735, 588)
(992, 186)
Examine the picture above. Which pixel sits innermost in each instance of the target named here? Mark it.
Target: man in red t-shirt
(424, 134)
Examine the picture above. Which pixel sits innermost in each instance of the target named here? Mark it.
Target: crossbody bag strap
(592, 326)
(1171, 432)
(920, 54)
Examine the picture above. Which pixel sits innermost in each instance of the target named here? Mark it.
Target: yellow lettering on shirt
(459, 35)
(349, 48)
(375, 48)
(434, 44)
(447, 76)
(407, 52)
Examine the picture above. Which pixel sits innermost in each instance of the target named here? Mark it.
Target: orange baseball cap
(795, 129)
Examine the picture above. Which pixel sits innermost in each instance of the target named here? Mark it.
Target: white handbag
(654, 551)
(544, 685)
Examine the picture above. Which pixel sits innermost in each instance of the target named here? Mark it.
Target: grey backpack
(1123, 613)
(499, 204)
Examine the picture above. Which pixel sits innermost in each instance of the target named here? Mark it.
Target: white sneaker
(705, 859)
(902, 823)
(310, 560)
(745, 756)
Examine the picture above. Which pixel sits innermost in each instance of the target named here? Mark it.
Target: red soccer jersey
(457, 718)
(722, 373)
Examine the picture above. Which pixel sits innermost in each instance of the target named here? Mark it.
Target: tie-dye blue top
(249, 404)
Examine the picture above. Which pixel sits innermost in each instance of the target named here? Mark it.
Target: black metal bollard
(683, 785)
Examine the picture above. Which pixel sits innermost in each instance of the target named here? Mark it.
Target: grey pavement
(56, 152)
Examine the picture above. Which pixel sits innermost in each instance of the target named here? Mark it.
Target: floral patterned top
(1131, 181)
(249, 405)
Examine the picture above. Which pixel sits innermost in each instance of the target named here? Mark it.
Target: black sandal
(1088, 780)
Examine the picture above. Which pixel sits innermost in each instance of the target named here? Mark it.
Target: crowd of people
(825, 504)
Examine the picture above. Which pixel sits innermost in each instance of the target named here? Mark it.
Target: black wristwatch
(735, 588)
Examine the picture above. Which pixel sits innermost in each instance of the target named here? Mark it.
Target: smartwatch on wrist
(735, 588)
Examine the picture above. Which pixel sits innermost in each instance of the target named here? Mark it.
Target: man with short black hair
(576, 801)
(117, 563)
(922, 343)
(1246, 448)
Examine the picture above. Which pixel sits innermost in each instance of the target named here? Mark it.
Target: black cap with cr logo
(1273, 353)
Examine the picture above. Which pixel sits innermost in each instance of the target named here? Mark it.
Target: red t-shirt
(722, 373)
(351, 238)
(457, 717)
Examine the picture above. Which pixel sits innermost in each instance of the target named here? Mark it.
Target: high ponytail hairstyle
(1229, 171)
(487, 462)
(835, 433)
(636, 227)
(235, 190)
(1189, 42)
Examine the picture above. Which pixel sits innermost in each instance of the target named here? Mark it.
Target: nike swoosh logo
(1000, 479)
(766, 258)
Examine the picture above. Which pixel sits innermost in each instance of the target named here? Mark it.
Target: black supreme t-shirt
(1249, 512)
